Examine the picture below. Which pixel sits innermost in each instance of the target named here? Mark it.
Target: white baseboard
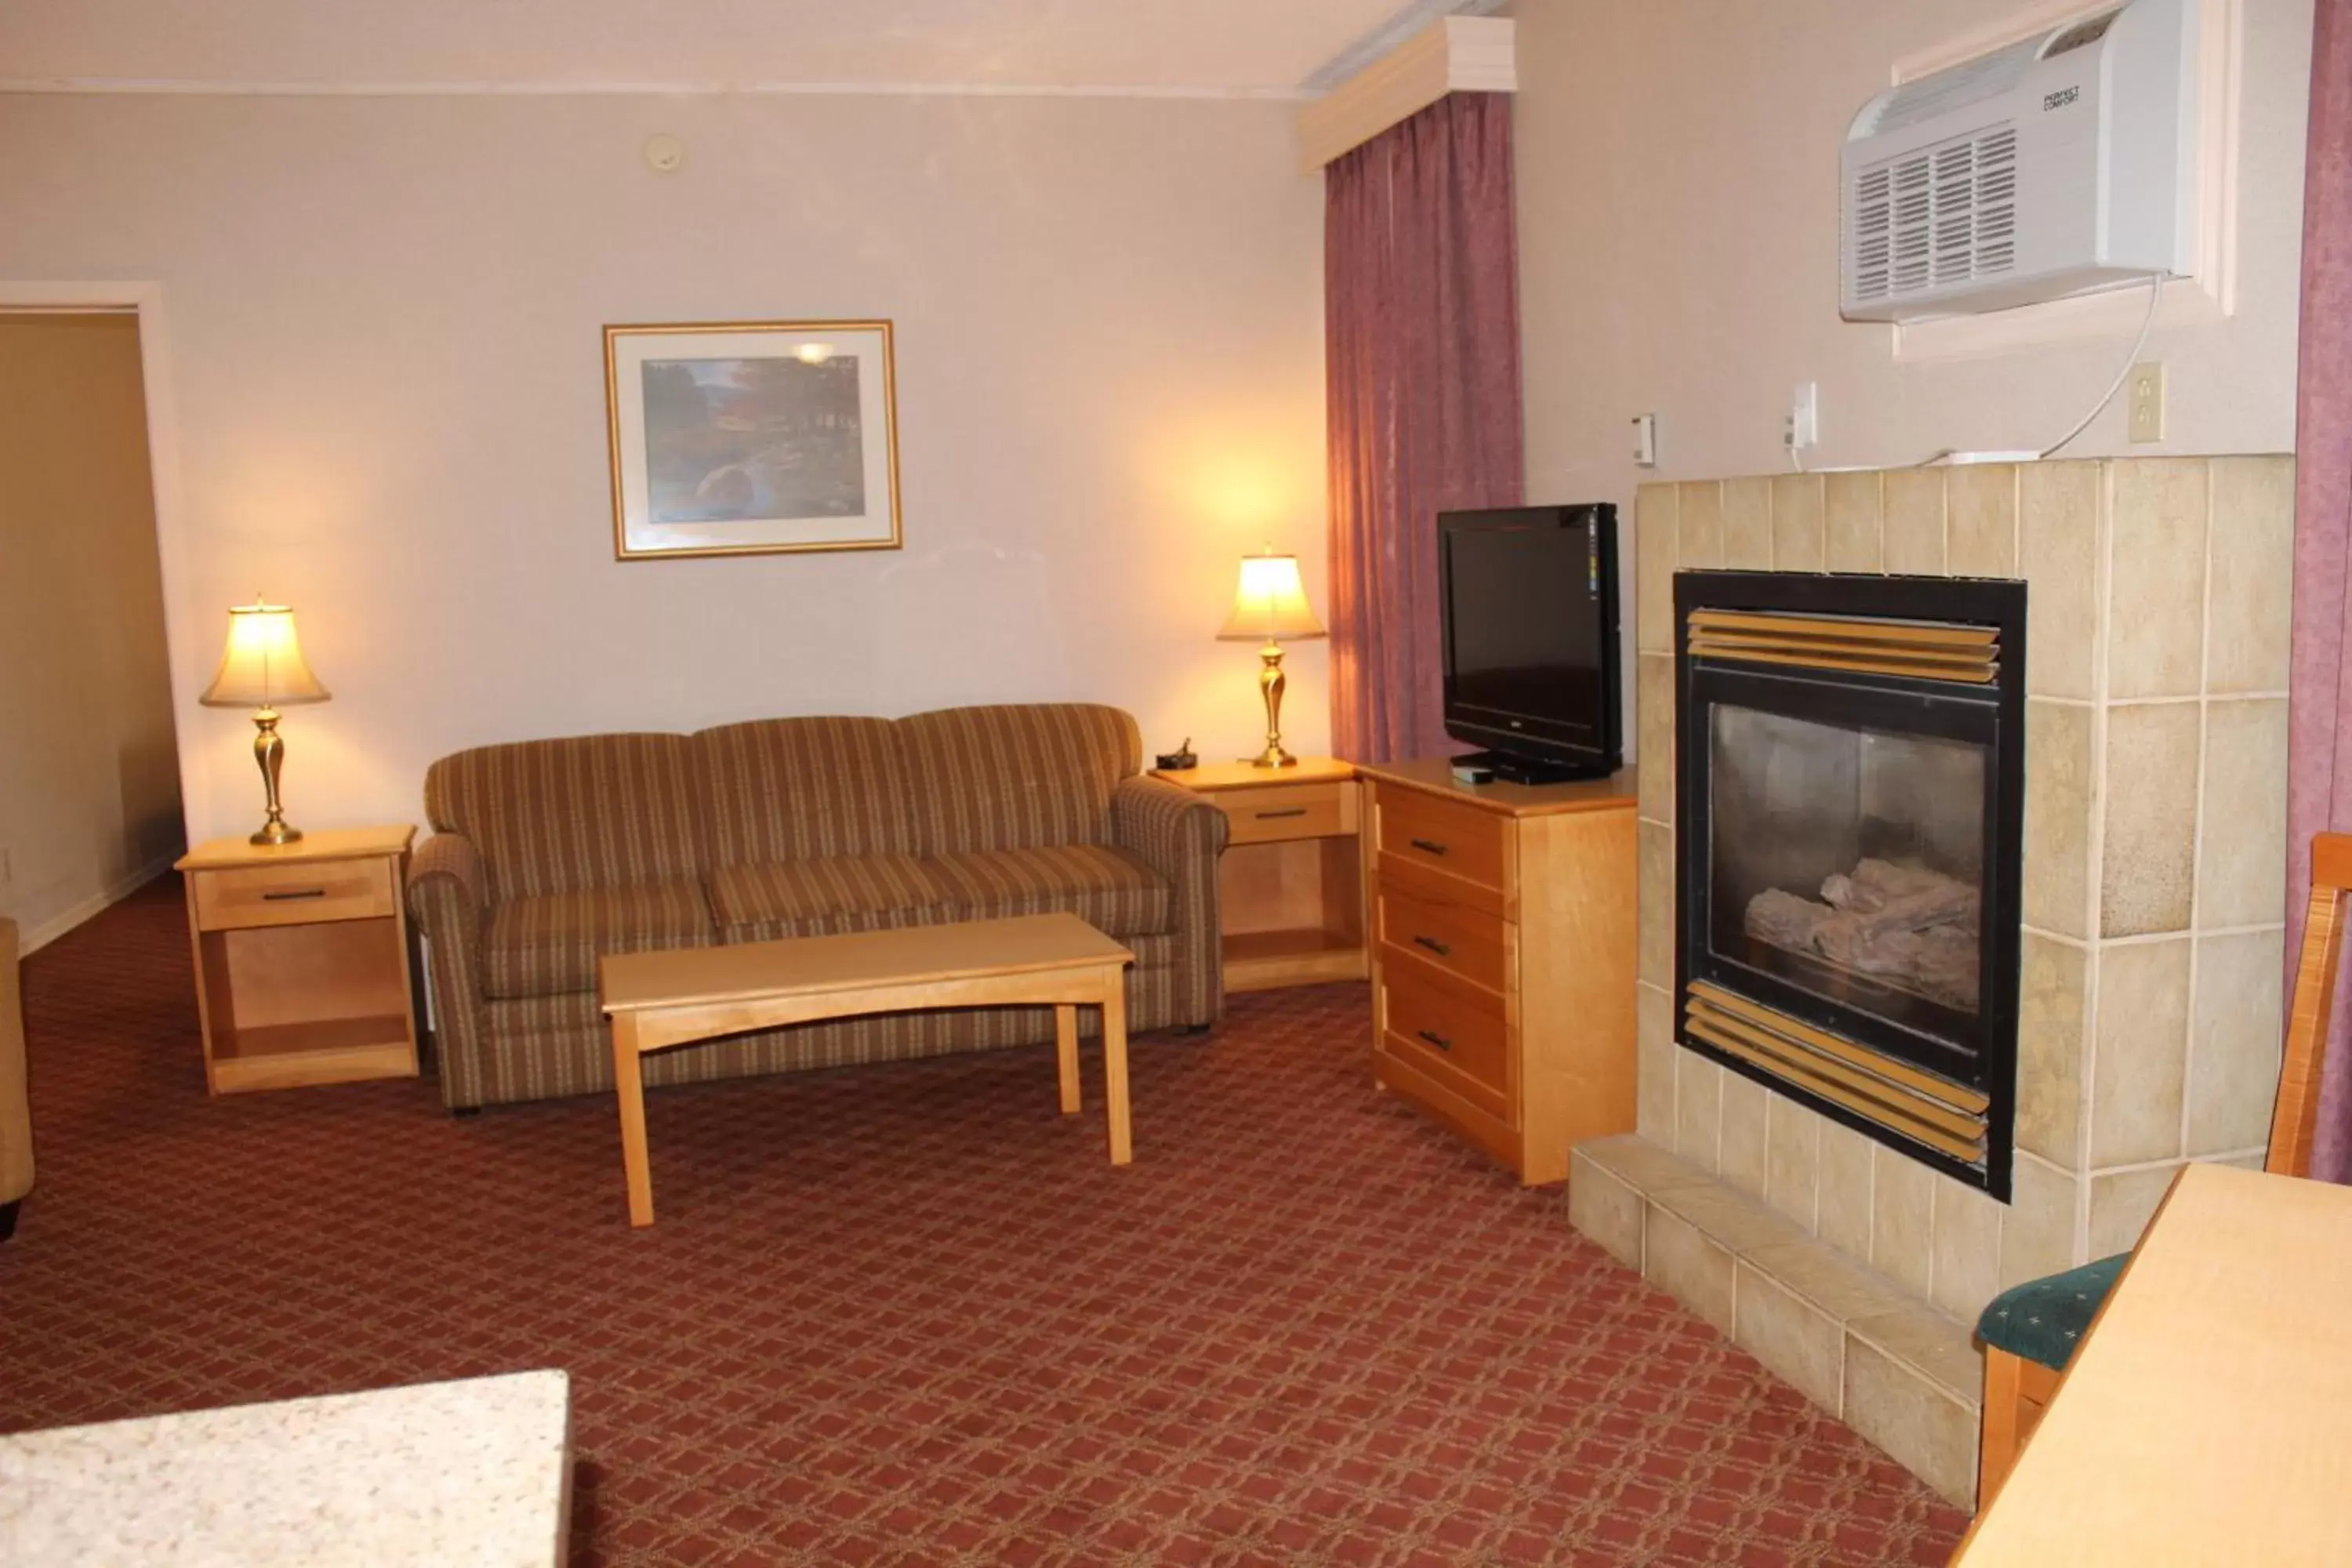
(37, 937)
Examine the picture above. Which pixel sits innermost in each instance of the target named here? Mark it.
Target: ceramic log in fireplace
(1848, 849)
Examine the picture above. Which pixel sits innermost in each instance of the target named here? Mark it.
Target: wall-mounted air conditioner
(2058, 166)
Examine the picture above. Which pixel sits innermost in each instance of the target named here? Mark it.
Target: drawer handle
(299, 893)
(1429, 845)
(1285, 811)
(1434, 1038)
(1435, 946)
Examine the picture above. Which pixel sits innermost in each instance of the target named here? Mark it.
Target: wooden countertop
(683, 976)
(1435, 775)
(2208, 1419)
(1249, 775)
(323, 843)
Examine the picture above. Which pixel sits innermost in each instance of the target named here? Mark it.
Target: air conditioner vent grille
(1955, 88)
(1942, 215)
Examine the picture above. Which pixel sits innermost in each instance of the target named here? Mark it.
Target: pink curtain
(1421, 332)
(2319, 787)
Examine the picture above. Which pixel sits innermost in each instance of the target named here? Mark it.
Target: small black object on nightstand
(1179, 758)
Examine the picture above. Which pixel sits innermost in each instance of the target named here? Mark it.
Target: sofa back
(557, 817)
(800, 789)
(1016, 777)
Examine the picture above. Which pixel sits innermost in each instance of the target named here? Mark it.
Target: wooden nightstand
(1290, 888)
(302, 959)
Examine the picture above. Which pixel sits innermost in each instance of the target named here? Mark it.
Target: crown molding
(1456, 54)
(189, 88)
(1390, 34)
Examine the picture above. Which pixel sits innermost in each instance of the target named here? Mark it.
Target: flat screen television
(1530, 597)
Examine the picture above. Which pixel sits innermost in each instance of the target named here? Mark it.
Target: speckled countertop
(477, 1471)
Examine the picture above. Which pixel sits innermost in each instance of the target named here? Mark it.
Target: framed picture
(750, 437)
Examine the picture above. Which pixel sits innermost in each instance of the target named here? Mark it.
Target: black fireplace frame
(1991, 715)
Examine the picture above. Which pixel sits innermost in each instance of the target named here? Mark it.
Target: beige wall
(383, 351)
(88, 780)
(1678, 221)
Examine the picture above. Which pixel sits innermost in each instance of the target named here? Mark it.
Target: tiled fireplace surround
(2152, 957)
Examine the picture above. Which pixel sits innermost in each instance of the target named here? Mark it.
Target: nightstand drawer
(299, 893)
(1289, 811)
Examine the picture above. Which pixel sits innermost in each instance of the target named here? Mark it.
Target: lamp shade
(263, 666)
(1270, 605)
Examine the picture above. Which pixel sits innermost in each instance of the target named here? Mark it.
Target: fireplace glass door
(1849, 862)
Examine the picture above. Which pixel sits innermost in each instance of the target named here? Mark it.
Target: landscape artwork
(728, 439)
(752, 437)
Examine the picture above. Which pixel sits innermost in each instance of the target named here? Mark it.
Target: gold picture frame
(751, 437)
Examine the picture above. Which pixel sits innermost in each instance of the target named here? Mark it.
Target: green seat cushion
(2044, 1319)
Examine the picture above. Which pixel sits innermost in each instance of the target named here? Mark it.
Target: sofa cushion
(801, 789)
(1016, 777)
(547, 944)
(826, 897)
(1108, 888)
(553, 816)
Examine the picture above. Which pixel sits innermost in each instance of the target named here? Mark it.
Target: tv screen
(1530, 597)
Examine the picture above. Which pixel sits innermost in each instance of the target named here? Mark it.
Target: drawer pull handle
(1442, 948)
(1434, 1038)
(1285, 811)
(1429, 845)
(297, 893)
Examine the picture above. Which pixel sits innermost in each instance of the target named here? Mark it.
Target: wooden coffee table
(656, 1000)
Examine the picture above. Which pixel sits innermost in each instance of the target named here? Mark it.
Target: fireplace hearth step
(1902, 1375)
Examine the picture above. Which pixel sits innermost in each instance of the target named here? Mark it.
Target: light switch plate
(2145, 391)
(1645, 440)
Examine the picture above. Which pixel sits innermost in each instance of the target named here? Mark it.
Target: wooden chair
(2030, 1332)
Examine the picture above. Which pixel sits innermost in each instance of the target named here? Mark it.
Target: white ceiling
(1144, 46)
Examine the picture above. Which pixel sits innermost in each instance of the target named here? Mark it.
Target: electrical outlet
(2145, 391)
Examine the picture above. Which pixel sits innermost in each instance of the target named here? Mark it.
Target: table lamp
(1270, 605)
(263, 669)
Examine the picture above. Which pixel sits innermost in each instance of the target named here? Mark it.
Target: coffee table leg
(1113, 1006)
(1065, 1047)
(629, 1087)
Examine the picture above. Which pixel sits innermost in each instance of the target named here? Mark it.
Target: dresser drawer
(1462, 1044)
(299, 893)
(1289, 811)
(1460, 940)
(1447, 840)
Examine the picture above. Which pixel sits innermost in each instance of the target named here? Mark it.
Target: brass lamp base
(1269, 685)
(269, 755)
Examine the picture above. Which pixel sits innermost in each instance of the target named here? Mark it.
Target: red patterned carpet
(910, 1315)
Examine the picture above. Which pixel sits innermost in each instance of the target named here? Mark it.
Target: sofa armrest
(445, 893)
(1170, 828)
(447, 903)
(1180, 835)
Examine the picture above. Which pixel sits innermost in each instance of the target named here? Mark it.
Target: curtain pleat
(2319, 788)
(1422, 324)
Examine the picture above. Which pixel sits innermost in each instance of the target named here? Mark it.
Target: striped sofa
(546, 854)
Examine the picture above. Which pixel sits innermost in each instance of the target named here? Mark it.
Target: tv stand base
(1529, 771)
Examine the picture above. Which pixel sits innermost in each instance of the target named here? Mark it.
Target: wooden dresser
(1504, 930)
